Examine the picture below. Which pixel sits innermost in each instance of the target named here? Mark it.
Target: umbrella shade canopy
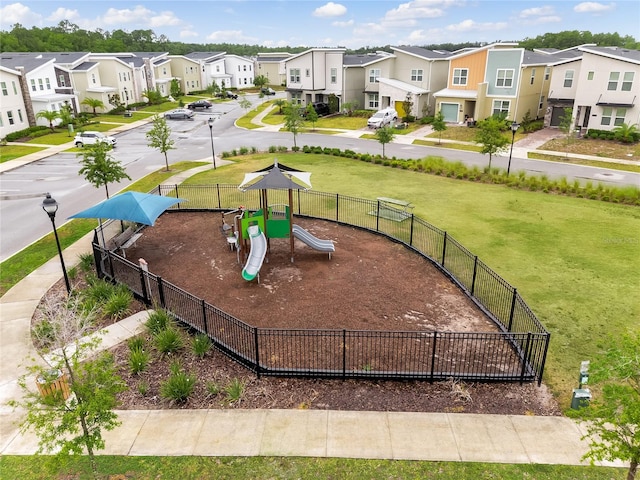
(130, 206)
(276, 177)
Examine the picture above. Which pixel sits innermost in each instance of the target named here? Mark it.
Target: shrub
(272, 149)
(158, 321)
(201, 345)
(118, 304)
(98, 291)
(213, 388)
(244, 150)
(86, 262)
(179, 385)
(138, 361)
(36, 131)
(135, 343)
(168, 341)
(234, 390)
(143, 387)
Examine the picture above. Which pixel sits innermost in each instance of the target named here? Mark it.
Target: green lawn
(11, 152)
(576, 262)
(581, 161)
(288, 468)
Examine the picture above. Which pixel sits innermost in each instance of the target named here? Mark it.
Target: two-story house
(241, 70)
(364, 70)
(314, 75)
(272, 66)
(12, 108)
(210, 65)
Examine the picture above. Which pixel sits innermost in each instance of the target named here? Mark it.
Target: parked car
(91, 138)
(321, 108)
(382, 118)
(180, 114)
(267, 91)
(227, 94)
(199, 104)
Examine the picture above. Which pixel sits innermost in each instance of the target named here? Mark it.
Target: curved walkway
(236, 432)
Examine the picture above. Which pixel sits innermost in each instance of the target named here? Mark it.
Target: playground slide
(256, 253)
(314, 242)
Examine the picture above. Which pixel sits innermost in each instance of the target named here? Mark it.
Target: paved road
(22, 189)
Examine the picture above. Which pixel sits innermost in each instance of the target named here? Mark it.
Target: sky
(351, 24)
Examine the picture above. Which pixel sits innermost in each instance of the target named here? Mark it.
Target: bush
(86, 262)
(234, 390)
(201, 344)
(118, 304)
(36, 131)
(179, 385)
(138, 361)
(168, 340)
(135, 343)
(158, 321)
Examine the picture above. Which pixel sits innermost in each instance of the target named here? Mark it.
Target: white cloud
(349, 23)
(63, 14)
(543, 20)
(471, 26)
(188, 34)
(593, 7)
(165, 19)
(138, 14)
(537, 12)
(18, 13)
(231, 36)
(330, 10)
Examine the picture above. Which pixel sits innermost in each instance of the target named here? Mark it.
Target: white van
(383, 118)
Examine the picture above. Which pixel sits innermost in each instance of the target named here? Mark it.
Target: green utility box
(581, 398)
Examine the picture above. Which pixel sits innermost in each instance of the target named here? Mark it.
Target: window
(46, 80)
(504, 78)
(627, 81)
(613, 81)
(568, 79)
(373, 100)
(547, 71)
(93, 78)
(245, 81)
(164, 70)
(191, 69)
(374, 73)
(460, 76)
(20, 115)
(244, 68)
(416, 75)
(307, 72)
(126, 95)
(33, 85)
(15, 90)
(218, 68)
(533, 76)
(590, 75)
(334, 75)
(119, 76)
(294, 75)
(1, 122)
(238, 67)
(3, 86)
(541, 102)
(606, 116)
(10, 117)
(61, 81)
(501, 107)
(620, 114)
(40, 84)
(296, 98)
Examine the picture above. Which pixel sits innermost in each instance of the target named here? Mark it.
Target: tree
(71, 426)
(174, 89)
(116, 101)
(439, 125)
(613, 419)
(280, 103)
(213, 88)
(244, 103)
(160, 137)
(66, 115)
(565, 125)
(349, 107)
(293, 120)
(490, 136)
(312, 116)
(154, 97)
(384, 135)
(48, 115)
(99, 168)
(626, 133)
(260, 81)
(93, 103)
(407, 106)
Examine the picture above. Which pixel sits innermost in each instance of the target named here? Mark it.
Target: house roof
(84, 66)
(402, 85)
(534, 58)
(364, 59)
(28, 62)
(468, 51)
(319, 49)
(135, 61)
(452, 92)
(208, 56)
(263, 59)
(422, 52)
(618, 53)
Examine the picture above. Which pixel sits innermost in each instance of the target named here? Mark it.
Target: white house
(315, 75)
(241, 70)
(12, 109)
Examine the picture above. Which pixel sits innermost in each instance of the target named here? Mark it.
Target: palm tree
(48, 115)
(93, 103)
(626, 133)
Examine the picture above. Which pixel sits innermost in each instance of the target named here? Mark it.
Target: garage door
(556, 116)
(450, 112)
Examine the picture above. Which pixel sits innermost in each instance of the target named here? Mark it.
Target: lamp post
(213, 152)
(514, 128)
(50, 206)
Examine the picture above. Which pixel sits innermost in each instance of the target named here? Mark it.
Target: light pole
(514, 128)
(50, 206)
(213, 152)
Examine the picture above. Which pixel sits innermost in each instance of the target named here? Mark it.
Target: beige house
(315, 75)
(272, 66)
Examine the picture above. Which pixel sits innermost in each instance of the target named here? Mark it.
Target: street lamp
(514, 128)
(50, 206)
(213, 152)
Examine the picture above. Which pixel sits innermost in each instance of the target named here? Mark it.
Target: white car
(91, 138)
(383, 118)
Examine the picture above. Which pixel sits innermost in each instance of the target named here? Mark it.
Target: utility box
(581, 398)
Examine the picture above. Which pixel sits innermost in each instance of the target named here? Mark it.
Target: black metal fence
(517, 352)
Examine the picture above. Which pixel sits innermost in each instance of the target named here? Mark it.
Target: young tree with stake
(99, 168)
(160, 137)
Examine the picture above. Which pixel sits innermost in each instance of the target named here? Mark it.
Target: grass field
(575, 261)
(10, 152)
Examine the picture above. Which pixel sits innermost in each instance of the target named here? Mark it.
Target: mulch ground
(369, 283)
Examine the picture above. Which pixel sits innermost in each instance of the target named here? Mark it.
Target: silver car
(180, 114)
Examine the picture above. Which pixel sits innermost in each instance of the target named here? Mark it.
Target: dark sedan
(199, 104)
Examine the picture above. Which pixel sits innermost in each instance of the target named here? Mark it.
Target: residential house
(117, 77)
(360, 79)
(272, 66)
(494, 79)
(607, 92)
(315, 75)
(12, 107)
(241, 70)
(88, 83)
(209, 67)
